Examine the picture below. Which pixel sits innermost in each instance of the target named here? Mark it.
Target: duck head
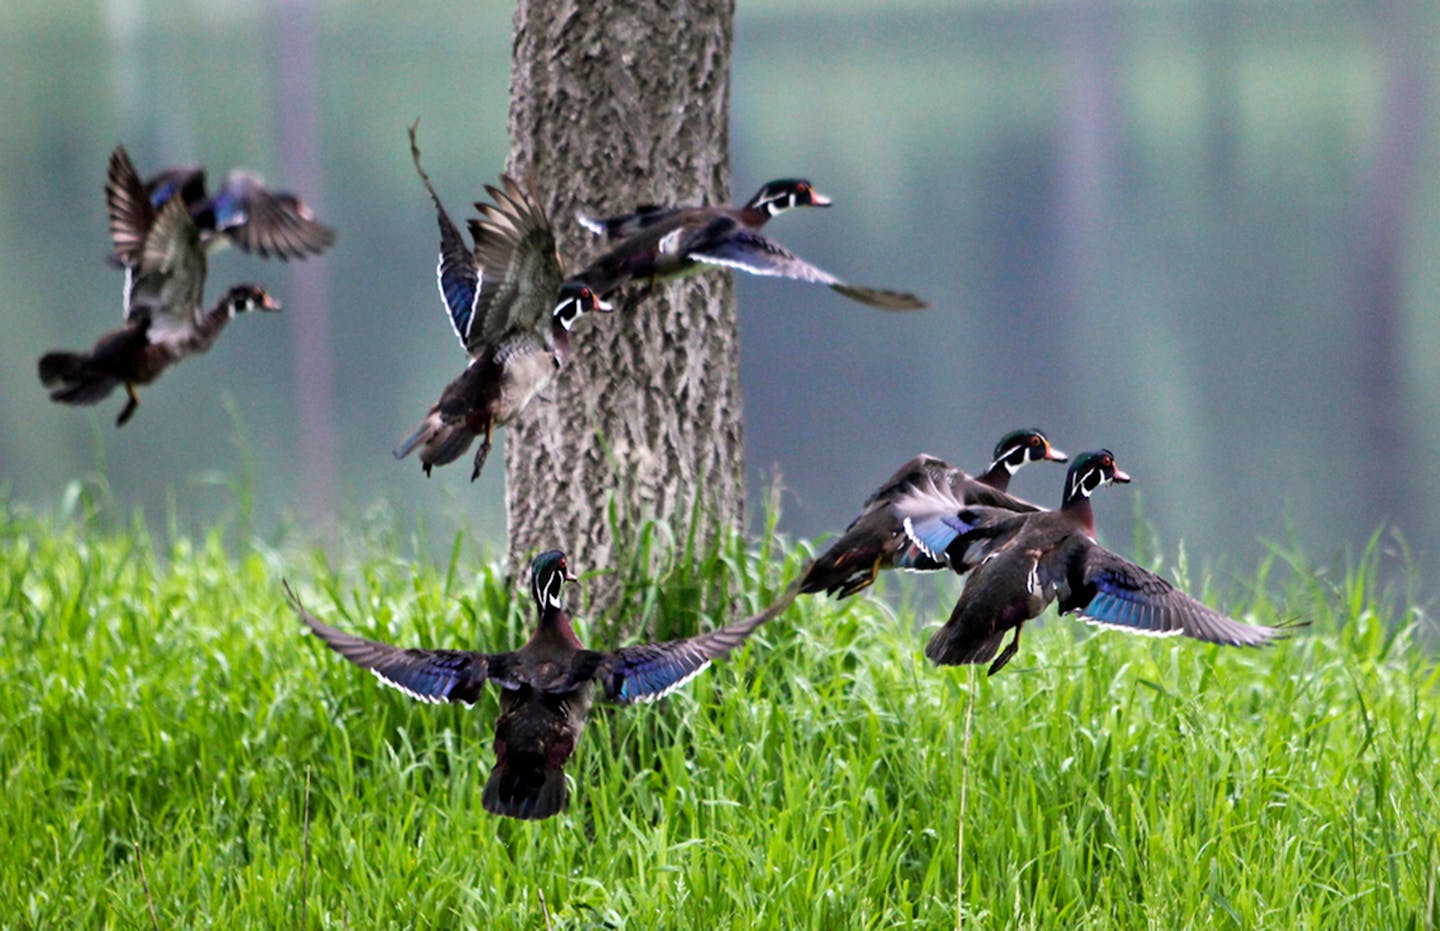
(780, 195)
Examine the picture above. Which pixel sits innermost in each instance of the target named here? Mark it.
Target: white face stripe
(1007, 459)
(547, 588)
(1085, 483)
(778, 203)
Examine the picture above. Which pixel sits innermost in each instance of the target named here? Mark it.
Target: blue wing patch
(163, 192)
(458, 288)
(1116, 605)
(228, 206)
(432, 680)
(653, 671)
(932, 534)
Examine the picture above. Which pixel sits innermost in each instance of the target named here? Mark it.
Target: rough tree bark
(615, 105)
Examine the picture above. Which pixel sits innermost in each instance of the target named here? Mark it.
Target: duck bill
(570, 576)
(1058, 455)
(817, 199)
(270, 305)
(1120, 477)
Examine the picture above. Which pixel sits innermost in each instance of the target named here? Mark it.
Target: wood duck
(1022, 562)
(500, 297)
(876, 538)
(546, 686)
(164, 264)
(243, 213)
(657, 243)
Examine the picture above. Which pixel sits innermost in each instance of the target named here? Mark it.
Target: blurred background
(1205, 235)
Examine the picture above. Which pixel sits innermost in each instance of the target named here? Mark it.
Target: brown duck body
(993, 603)
(500, 296)
(165, 268)
(123, 355)
(656, 243)
(538, 728)
(876, 539)
(547, 686)
(660, 243)
(490, 393)
(1023, 562)
(129, 355)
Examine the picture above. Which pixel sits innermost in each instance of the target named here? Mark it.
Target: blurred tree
(297, 117)
(614, 105)
(1387, 196)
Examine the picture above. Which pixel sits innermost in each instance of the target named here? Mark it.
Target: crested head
(783, 193)
(1090, 471)
(548, 575)
(575, 300)
(243, 298)
(1021, 447)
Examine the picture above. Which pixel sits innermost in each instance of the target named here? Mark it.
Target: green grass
(159, 698)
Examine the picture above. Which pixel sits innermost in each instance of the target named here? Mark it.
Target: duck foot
(482, 453)
(1006, 654)
(130, 406)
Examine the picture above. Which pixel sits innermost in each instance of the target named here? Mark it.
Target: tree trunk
(615, 105)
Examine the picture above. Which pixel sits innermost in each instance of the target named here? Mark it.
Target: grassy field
(161, 714)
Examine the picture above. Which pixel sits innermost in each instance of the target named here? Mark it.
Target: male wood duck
(243, 213)
(546, 686)
(876, 539)
(1022, 562)
(164, 284)
(658, 243)
(500, 297)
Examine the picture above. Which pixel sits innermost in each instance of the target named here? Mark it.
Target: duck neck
(997, 476)
(555, 626)
(752, 216)
(208, 327)
(559, 341)
(1077, 508)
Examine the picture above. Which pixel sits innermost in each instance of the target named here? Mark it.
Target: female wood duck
(243, 213)
(876, 539)
(500, 298)
(164, 284)
(1022, 562)
(658, 243)
(546, 686)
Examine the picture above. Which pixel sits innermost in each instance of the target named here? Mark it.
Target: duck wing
(520, 268)
(456, 272)
(1108, 590)
(425, 675)
(725, 242)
